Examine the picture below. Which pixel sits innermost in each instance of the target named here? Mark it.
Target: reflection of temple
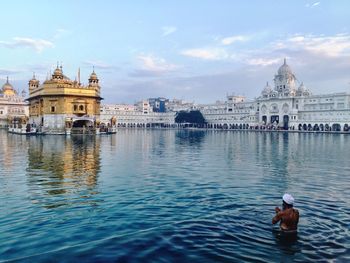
(10, 153)
(61, 105)
(13, 108)
(60, 165)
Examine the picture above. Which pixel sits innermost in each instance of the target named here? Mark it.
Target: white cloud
(206, 53)
(155, 64)
(37, 44)
(167, 30)
(9, 71)
(97, 64)
(333, 46)
(233, 39)
(313, 4)
(263, 61)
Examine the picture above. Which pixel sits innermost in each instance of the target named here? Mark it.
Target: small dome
(57, 71)
(273, 93)
(301, 88)
(303, 91)
(93, 75)
(33, 80)
(306, 93)
(7, 85)
(284, 69)
(267, 89)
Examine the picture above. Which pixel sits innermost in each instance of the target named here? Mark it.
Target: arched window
(81, 107)
(75, 107)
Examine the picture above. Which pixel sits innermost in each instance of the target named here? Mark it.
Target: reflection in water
(160, 195)
(8, 155)
(276, 162)
(60, 166)
(190, 137)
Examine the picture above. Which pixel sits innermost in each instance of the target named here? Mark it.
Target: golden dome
(57, 71)
(7, 85)
(93, 75)
(33, 80)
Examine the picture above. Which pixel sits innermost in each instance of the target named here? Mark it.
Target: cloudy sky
(196, 50)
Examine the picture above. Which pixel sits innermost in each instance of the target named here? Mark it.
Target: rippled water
(173, 196)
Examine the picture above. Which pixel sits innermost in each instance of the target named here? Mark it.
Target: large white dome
(284, 69)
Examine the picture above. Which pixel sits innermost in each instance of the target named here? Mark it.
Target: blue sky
(193, 50)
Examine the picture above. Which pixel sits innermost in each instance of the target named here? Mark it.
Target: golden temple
(63, 106)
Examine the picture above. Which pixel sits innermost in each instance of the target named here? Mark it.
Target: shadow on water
(59, 168)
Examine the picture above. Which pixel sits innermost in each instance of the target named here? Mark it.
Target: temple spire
(79, 76)
(285, 61)
(7, 79)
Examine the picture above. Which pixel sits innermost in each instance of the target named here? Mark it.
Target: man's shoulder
(296, 211)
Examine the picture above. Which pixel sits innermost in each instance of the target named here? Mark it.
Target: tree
(194, 116)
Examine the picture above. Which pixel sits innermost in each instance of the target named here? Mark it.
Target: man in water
(288, 216)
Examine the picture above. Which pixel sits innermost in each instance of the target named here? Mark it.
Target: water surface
(173, 196)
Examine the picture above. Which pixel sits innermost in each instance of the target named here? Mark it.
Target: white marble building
(285, 106)
(288, 105)
(235, 112)
(12, 105)
(140, 115)
(178, 105)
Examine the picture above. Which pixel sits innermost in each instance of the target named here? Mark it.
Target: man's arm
(277, 217)
(297, 215)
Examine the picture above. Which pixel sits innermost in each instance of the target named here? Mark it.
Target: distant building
(158, 104)
(61, 105)
(13, 107)
(234, 111)
(139, 115)
(110, 112)
(177, 105)
(289, 105)
(144, 106)
(285, 106)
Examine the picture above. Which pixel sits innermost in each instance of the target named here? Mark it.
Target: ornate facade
(285, 106)
(61, 105)
(13, 107)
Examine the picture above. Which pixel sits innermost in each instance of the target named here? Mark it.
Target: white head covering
(288, 199)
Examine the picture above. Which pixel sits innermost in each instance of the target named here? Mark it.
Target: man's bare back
(288, 217)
